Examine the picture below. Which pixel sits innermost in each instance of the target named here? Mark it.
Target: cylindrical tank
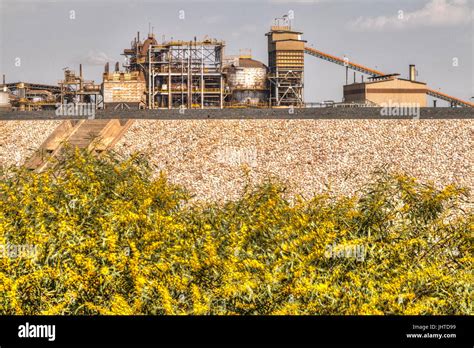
(4, 100)
(92, 88)
(248, 81)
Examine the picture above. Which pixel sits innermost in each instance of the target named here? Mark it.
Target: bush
(112, 240)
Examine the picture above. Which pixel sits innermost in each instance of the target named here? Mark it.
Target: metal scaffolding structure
(179, 74)
(185, 74)
(74, 89)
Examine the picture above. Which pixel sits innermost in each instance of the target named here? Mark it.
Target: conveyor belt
(448, 98)
(333, 59)
(363, 69)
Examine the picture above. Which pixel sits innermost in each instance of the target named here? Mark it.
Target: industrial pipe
(412, 72)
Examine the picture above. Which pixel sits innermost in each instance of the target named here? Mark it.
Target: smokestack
(107, 67)
(117, 67)
(3, 79)
(138, 36)
(412, 72)
(80, 71)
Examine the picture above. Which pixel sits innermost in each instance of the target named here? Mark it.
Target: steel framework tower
(286, 66)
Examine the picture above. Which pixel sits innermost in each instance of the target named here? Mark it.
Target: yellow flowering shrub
(110, 239)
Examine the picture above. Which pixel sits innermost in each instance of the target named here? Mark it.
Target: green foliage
(112, 240)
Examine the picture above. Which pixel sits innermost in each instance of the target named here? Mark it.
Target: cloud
(95, 57)
(436, 13)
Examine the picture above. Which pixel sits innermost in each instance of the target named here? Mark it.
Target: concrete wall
(228, 114)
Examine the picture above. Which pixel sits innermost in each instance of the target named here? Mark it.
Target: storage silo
(4, 101)
(247, 82)
(286, 64)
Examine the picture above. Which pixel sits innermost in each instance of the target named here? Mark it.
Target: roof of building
(282, 29)
(250, 63)
(387, 78)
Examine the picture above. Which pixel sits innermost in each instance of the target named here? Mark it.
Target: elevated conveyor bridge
(375, 73)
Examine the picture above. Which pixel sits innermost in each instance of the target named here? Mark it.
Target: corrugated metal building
(388, 89)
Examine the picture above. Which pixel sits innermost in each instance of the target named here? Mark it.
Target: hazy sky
(436, 35)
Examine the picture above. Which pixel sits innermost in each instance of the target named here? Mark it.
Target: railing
(259, 105)
(366, 104)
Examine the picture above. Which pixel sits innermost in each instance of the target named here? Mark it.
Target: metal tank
(247, 82)
(4, 100)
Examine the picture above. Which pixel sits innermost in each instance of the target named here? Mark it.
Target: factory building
(27, 96)
(387, 89)
(246, 82)
(75, 89)
(196, 74)
(124, 90)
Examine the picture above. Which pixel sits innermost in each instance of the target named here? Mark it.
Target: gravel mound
(20, 139)
(214, 157)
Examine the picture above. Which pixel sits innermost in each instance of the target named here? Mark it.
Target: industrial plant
(197, 74)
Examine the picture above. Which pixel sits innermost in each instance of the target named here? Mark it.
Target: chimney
(106, 67)
(117, 67)
(80, 71)
(412, 72)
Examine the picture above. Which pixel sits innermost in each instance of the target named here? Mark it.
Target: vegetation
(111, 240)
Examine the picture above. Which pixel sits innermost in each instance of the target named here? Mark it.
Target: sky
(38, 38)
